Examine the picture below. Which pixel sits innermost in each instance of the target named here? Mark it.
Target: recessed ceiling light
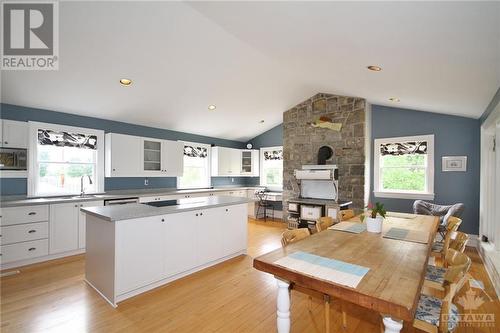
(262, 121)
(212, 107)
(394, 99)
(125, 82)
(374, 68)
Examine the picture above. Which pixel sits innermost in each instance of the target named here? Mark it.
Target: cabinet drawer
(24, 232)
(24, 214)
(24, 250)
(310, 213)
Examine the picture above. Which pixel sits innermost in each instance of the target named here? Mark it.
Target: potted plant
(375, 218)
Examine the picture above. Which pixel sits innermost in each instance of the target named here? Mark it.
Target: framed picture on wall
(454, 163)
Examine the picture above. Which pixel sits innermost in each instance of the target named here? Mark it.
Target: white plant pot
(374, 224)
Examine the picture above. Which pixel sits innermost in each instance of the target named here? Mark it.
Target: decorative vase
(374, 224)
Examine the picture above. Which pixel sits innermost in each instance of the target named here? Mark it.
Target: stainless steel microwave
(13, 159)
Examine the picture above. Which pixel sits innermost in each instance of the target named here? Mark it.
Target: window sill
(404, 195)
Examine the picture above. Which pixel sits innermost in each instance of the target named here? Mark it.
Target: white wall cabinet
(14, 134)
(122, 155)
(134, 156)
(249, 163)
(226, 161)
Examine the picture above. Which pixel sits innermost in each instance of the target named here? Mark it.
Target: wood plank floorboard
(229, 297)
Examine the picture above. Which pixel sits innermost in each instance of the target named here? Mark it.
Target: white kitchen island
(134, 248)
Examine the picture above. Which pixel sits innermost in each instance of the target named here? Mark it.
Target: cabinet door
(14, 134)
(139, 252)
(82, 221)
(224, 161)
(63, 227)
(235, 161)
(123, 155)
(209, 235)
(234, 224)
(180, 242)
(152, 157)
(173, 158)
(255, 162)
(246, 162)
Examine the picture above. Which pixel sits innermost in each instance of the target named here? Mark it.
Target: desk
(392, 285)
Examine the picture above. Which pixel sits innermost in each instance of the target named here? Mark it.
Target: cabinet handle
(114, 169)
(32, 249)
(227, 210)
(163, 220)
(76, 205)
(32, 213)
(201, 214)
(31, 231)
(196, 214)
(5, 142)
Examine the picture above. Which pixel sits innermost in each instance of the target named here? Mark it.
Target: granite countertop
(133, 211)
(22, 200)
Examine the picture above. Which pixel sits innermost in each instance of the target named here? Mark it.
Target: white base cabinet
(125, 258)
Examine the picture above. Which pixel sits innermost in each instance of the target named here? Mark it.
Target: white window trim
(261, 169)
(209, 157)
(427, 195)
(32, 153)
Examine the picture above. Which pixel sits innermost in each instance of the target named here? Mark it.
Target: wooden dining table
(392, 284)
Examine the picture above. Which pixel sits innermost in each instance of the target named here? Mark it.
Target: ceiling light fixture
(394, 99)
(212, 107)
(374, 68)
(125, 82)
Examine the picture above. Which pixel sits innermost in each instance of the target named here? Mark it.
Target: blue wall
(13, 186)
(270, 138)
(452, 136)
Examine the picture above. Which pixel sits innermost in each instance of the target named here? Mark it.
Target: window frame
(428, 194)
(262, 181)
(209, 163)
(33, 171)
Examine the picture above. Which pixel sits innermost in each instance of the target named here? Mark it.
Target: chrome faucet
(82, 191)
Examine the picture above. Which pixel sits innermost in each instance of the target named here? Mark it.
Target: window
(404, 167)
(271, 166)
(61, 155)
(196, 166)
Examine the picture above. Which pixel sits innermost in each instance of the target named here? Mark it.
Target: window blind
(404, 148)
(66, 139)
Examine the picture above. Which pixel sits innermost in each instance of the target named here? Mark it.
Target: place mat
(408, 235)
(331, 270)
(353, 227)
(401, 215)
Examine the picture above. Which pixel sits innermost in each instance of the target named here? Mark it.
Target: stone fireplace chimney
(302, 140)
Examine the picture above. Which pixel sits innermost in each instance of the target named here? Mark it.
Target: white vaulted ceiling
(255, 60)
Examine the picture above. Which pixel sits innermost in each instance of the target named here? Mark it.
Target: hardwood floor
(230, 297)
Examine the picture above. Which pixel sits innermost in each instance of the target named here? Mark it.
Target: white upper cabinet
(123, 155)
(134, 156)
(173, 158)
(226, 161)
(14, 134)
(249, 162)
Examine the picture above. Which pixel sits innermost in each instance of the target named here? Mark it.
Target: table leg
(283, 307)
(392, 326)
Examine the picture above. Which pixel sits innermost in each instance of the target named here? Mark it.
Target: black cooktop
(163, 203)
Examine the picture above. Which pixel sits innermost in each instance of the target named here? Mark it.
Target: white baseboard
(490, 257)
(37, 260)
(473, 240)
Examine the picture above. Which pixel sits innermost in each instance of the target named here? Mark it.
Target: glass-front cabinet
(152, 155)
(246, 162)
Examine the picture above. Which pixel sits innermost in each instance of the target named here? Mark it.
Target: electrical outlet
(146, 182)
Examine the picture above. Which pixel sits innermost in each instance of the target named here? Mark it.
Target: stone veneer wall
(301, 142)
